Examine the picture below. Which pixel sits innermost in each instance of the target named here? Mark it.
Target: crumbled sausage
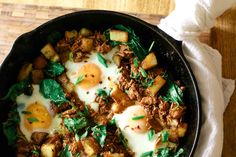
(38, 137)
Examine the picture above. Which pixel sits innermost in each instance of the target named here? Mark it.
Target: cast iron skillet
(169, 52)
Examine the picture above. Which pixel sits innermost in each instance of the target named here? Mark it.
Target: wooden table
(16, 19)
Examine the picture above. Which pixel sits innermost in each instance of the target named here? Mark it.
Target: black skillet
(169, 52)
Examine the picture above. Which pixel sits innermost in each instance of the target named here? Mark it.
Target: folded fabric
(185, 23)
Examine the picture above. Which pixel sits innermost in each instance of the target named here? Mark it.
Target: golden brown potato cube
(91, 146)
(121, 99)
(37, 76)
(71, 35)
(182, 128)
(49, 52)
(48, 150)
(85, 32)
(86, 45)
(118, 35)
(40, 62)
(25, 71)
(149, 61)
(116, 59)
(159, 82)
(109, 154)
(173, 135)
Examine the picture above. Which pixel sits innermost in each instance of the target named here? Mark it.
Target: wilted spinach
(75, 124)
(166, 152)
(100, 133)
(17, 89)
(9, 127)
(54, 69)
(66, 152)
(52, 90)
(133, 42)
(173, 93)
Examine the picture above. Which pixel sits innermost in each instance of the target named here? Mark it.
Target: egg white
(137, 142)
(23, 101)
(112, 71)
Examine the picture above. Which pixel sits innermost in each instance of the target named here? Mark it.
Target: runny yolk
(92, 75)
(38, 117)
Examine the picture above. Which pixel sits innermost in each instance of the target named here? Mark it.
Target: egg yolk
(92, 75)
(38, 117)
(138, 120)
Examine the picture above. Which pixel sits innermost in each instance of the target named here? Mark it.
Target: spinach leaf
(147, 154)
(136, 62)
(52, 90)
(75, 124)
(165, 136)
(122, 138)
(9, 127)
(133, 43)
(151, 134)
(66, 152)
(102, 60)
(17, 89)
(173, 93)
(54, 69)
(35, 152)
(100, 133)
(164, 152)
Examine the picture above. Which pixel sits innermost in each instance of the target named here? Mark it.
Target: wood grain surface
(17, 18)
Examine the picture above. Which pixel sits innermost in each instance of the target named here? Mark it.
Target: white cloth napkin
(185, 23)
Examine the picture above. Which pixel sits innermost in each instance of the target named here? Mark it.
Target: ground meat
(58, 109)
(133, 93)
(71, 113)
(124, 51)
(23, 147)
(62, 46)
(148, 100)
(125, 83)
(56, 140)
(103, 48)
(176, 111)
(38, 137)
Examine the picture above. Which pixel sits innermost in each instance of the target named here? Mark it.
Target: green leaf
(102, 60)
(147, 154)
(102, 93)
(75, 124)
(35, 152)
(151, 134)
(54, 37)
(173, 93)
(113, 121)
(26, 112)
(138, 117)
(143, 72)
(164, 136)
(17, 89)
(147, 82)
(136, 62)
(52, 90)
(9, 127)
(66, 152)
(122, 139)
(100, 133)
(79, 79)
(54, 69)
(32, 119)
(164, 152)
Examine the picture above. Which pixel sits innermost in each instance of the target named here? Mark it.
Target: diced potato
(121, 99)
(118, 35)
(37, 76)
(109, 154)
(49, 52)
(25, 71)
(173, 135)
(157, 84)
(40, 62)
(86, 45)
(85, 32)
(71, 35)
(149, 61)
(182, 128)
(48, 150)
(116, 59)
(91, 147)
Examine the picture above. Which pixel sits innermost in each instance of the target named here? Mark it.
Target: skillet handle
(176, 43)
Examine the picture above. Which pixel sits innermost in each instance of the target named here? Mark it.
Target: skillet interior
(169, 52)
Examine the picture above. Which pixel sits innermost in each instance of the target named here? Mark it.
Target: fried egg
(96, 75)
(133, 125)
(36, 114)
